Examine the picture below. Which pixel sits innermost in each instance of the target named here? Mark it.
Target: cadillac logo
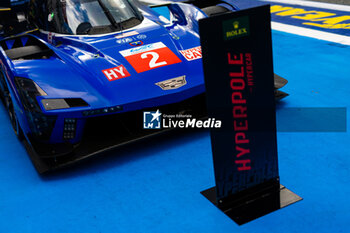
(173, 83)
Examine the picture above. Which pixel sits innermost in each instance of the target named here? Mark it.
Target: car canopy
(78, 17)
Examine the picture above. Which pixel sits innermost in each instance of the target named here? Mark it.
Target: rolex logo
(235, 28)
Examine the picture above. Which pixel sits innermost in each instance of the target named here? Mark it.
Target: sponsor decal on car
(130, 38)
(124, 40)
(192, 53)
(235, 28)
(141, 37)
(136, 43)
(150, 56)
(116, 73)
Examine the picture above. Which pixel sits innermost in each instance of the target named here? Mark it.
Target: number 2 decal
(150, 56)
(155, 56)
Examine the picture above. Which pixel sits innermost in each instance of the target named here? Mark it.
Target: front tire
(13, 117)
(7, 100)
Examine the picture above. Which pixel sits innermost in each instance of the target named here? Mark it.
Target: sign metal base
(254, 203)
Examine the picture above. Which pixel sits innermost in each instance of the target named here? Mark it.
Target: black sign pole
(238, 70)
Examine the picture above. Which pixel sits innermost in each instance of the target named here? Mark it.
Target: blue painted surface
(154, 186)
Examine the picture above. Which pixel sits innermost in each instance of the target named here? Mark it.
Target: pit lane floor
(155, 186)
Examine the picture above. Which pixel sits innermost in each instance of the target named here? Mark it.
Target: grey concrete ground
(344, 2)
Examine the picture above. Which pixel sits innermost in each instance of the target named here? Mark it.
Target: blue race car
(75, 75)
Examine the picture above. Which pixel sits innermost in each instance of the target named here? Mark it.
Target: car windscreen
(79, 17)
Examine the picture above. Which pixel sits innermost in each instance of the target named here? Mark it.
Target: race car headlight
(28, 91)
(41, 125)
(53, 104)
